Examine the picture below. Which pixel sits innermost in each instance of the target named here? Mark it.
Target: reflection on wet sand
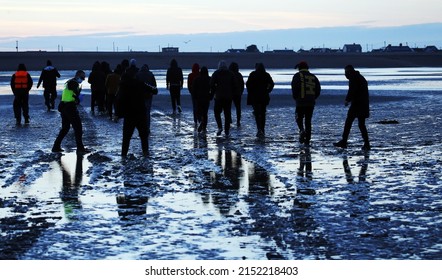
(70, 188)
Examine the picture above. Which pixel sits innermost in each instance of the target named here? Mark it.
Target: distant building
(321, 50)
(427, 49)
(283, 51)
(170, 50)
(400, 48)
(236, 50)
(352, 48)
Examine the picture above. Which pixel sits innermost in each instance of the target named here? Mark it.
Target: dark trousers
(361, 123)
(237, 103)
(129, 125)
(175, 96)
(148, 102)
(50, 94)
(203, 113)
(21, 105)
(110, 104)
(70, 117)
(303, 118)
(259, 111)
(220, 106)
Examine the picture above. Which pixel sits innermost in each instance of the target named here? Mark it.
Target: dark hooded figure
(174, 83)
(190, 78)
(222, 87)
(358, 98)
(201, 93)
(259, 85)
(48, 77)
(237, 95)
(132, 107)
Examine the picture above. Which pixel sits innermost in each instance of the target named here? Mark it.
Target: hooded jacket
(49, 76)
(358, 95)
(259, 85)
(305, 88)
(191, 77)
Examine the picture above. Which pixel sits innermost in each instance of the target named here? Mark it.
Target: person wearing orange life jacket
(21, 84)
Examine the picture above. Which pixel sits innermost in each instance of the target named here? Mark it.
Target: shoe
(366, 147)
(179, 109)
(218, 133)
(227, 133)
(57, 150)
(340, 144)
(260, 134)
(238, 124)
(301, 136)
(17, 122)
(26, 120)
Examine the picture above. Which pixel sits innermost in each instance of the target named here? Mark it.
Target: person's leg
(65, 126)
(144, 137)
(172, 99)
(148, 103)
(308, 124)
(25, 107)
(17, 108)
(217, 109)
(364, 133)
(78, 128)
(227, 107)
(47, 97)
(128, 130)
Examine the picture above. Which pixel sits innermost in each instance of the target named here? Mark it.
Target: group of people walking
(127, 93)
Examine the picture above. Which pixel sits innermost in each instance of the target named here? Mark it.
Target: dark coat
(174, 75)
(49, 76)
(223, 84)
(259, 85)
(358, 95)
(201, 88)
(131, 97)
(305, 88)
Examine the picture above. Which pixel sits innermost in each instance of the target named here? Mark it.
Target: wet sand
(208, 197)
(83, 60)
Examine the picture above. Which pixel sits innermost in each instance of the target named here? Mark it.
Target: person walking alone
(358, 98)
(70, 116)
(21, 84)
(259, 85)
(174, 83)
(306, 88)
(222, 87)
(48, 77)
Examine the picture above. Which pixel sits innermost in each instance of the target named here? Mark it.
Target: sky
(29, 20)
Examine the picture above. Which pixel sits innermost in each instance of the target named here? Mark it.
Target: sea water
(379, 79)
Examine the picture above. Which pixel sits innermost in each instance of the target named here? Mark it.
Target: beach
(216, 198)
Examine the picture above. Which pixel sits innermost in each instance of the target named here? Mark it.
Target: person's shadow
(70, 188)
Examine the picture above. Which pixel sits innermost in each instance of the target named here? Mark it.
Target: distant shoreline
(35, 61)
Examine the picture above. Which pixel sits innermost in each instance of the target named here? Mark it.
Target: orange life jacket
(21, 79)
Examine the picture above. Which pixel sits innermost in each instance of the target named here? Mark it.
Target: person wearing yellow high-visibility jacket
(69, 113)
